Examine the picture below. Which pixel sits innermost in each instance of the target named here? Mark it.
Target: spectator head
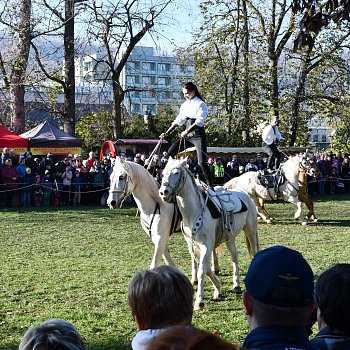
(52, 334)
(188, 338)
(91, 154)
(332, 293)
(12, 152)
(279, 288)
(29, 154)
(5, 150)
(210, 161)
(37, 178)
(49, 156)
(160, 297)
(8, 162)
(28, 171)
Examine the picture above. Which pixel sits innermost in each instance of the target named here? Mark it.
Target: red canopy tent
(11, 140)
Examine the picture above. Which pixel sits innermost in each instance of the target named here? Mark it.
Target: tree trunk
(246, 89)
(17, 81)
(293, 122)
(69, 91)
(118, 97)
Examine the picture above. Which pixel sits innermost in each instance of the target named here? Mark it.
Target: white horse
(158, 219)
(204, 233)
(287, 190)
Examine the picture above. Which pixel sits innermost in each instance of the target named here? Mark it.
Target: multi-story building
(149, 79)
(152, 79)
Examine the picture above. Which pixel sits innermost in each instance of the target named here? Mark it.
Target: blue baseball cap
(276, 267)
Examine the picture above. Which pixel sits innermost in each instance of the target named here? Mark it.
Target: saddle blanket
(225, 200)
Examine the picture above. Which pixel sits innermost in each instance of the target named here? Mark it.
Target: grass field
(76, 264)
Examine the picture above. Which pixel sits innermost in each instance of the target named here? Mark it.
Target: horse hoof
(217, 296)
(268, 221)
(217, 272)
(237, 290)
(315, 220)
(194, 283)
(198, 307)
(304, 223)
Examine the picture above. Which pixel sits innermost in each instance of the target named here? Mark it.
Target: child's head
(161, 297)
(28, 171)
(37, 178)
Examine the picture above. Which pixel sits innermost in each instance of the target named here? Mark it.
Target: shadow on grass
(340, 223)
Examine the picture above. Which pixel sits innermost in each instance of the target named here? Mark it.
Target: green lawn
(75, 264)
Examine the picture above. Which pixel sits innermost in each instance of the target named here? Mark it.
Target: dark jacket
(329, 339)
(278, 338)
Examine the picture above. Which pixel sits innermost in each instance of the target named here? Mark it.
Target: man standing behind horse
(270, 136)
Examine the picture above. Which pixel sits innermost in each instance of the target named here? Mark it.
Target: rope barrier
(51, 189)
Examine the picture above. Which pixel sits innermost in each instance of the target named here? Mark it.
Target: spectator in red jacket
(9, 178)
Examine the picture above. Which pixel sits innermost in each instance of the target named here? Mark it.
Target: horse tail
(251, 228)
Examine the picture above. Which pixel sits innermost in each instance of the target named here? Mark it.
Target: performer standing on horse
(193, 112)
(270, 136)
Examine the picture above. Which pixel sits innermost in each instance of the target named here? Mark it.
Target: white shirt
(269, 135)
(194, 109)
(143, 337)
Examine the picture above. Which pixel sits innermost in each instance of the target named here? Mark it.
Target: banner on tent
(18, 150)
(38, 151)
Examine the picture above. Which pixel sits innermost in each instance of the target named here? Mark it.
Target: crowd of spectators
(44, 181)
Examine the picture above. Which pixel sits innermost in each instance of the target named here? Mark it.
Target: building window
(149, 108)
(136, 108)
(152, 66)
(167, 81)
(315, 138)
(137, 66)
(324, 138)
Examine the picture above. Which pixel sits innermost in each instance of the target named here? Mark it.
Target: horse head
(308, 165)
(119, 183)
(173, 179)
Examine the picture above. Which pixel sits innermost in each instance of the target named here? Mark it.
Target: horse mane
(140, 176)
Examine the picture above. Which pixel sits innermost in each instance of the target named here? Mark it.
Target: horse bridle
(176, 189)
(125, 189)
(302, 167)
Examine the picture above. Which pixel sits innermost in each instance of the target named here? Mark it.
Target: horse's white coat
(128, 177)
(288, 191)
(178, 181)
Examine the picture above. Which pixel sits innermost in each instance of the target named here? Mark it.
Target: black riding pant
(200, 143)
(273, 153)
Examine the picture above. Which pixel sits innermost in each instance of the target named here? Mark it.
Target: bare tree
(117, 28)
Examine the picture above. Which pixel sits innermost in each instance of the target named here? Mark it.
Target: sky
(181, 19)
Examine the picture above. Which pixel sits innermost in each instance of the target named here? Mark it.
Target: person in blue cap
(279, 300)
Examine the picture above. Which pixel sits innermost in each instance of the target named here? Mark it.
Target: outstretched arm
(172, 127)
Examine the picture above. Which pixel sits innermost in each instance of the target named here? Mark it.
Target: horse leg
(167, 258)
(304, 197)
(160, 245)
(231, 246)
(194, 265)
(215, 262)
(203, 269)
(298, 210)
(260, 208)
